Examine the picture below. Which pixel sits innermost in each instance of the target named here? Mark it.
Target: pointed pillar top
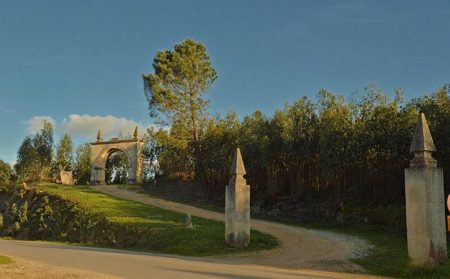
(136, 133)
(237, 166)
(99, 135)
(422, 140)
(422, 145)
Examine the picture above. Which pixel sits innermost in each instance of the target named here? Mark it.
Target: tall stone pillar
(425, 208)
(237, 205)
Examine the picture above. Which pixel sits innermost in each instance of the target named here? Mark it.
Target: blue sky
(80, 62)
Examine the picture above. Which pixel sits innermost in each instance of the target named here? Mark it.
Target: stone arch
(100, 151)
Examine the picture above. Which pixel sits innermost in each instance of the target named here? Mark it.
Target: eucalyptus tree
(436, 106)
(222, 135)
(43, 145)
(26, 166)
(64, 154)
(35, 154)
(82, 164)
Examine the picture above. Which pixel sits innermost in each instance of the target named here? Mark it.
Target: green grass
(5, 260)
(163, 228)
(389, 256)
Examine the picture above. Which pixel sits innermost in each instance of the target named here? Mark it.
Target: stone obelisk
(237, 205)
(425, 208)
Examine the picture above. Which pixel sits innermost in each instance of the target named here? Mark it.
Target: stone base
(425, 215)
(237, 215)
(241, 240)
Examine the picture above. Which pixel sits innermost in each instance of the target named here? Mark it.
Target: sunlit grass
(164, 229)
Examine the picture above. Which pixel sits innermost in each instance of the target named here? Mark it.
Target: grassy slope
(164, 228)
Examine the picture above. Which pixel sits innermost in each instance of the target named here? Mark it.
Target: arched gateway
(101, 150)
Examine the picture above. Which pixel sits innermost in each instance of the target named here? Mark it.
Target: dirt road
(55, 261)
(300, 248)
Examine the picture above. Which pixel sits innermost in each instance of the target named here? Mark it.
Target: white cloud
(88, 126)
(37, 123)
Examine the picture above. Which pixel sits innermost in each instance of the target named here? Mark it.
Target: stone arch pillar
(100, 150)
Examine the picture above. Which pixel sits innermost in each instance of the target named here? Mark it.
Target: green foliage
(344, 152)
(82, 166)
(150, 155)
(437, 110)
(181, 77)
(116, 168)
(5, 172)
(175, 158)
(43, 145)
(175, 93)
(27, 166)
(81, 215)
(34, 158)
(64, 156)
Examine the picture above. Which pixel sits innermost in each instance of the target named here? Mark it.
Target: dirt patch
(21, 269)
(300, 248)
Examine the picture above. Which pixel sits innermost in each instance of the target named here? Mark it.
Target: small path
(300, 248)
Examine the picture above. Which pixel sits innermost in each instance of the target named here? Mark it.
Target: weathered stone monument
(66, 177)
(237, 205)
(188, 221)
(425, 208)
(101, 150)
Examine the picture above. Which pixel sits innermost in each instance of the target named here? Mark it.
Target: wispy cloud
(88, 125)
(36, 123)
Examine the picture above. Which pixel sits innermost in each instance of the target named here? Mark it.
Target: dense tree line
(344, 150)
(39, 160)
(35, 155)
